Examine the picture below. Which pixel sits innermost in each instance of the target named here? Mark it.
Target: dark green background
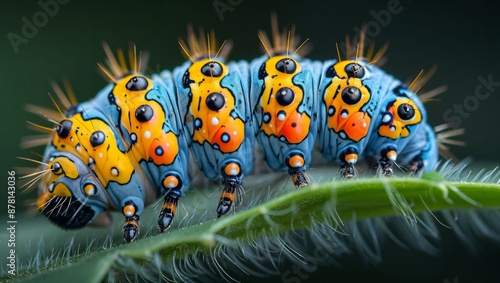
(461, 37)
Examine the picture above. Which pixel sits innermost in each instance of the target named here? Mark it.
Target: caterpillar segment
(284, 102)
(217, 114)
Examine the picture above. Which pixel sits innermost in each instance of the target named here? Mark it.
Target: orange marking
(351, 158)
(356, 127)
(296, 127)
(170, 205)
(227, 195)
(296, 161)
(170, 182)
(392, 155)
(128, 210)
(232, 169)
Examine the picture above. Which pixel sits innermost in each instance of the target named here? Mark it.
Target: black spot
(285, 96)
(111, 98)
(137, 83)
(159, 150)
(266, 117)
(97, 138)
(262, 72)
(56, 168)
(225, 138)
(330, 72)
(355, 70)
(406, 111)
(186, 81)
(74, 215)
(64, 128)
(294, 125)
(144, 113)
(331, 110)
(215, 101)
(351, 95)
(212, 69)
(198, 123)
(286, 65)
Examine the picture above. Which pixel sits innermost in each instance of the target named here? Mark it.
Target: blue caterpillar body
(130, 144)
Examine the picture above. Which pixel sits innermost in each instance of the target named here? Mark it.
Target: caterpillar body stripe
(130, 144)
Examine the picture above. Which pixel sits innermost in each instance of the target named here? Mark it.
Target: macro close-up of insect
(252, 149)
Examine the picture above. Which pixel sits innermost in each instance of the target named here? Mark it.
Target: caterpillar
(130, 144)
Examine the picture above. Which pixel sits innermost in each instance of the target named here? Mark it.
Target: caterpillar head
(70, 195)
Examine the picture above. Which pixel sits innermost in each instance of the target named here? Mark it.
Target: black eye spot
(351, 95)
(262, 72)
(137, 83)
(97, 138)
(64, 128)
(56, 168)
(406, 111)
(212, 69)
(286, 65)
(186, 81)
(330, 72)
(74, 215)
(144, 113)
(215, 101)
(285, 96)
(355, 70)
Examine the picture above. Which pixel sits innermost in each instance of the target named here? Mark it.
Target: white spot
(91, 160)
(171, 185)
(393, 157)
(352, 160)
(100, 155)
(364, 125)
(342, 135)
(147, 134)
(263, 210)
(114, 171)
(281, 117)
(51, 187)
(91, 192)
(133, 137)
(386, 118)
(78, 147)
(129, 213)
(392, 128)
(298, 164)
(215, 121)
(235, 133)
(167, 144)
(233, 172)
(344, 115)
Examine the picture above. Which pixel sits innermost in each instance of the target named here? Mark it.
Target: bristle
(43, 112)
(116, 68)
(203, 46)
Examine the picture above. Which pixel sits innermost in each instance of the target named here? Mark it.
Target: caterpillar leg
(231, 194)
(296, 169)
(347, 159)
(388, 156)
(131, 225)
(168, 210)
(416, 164)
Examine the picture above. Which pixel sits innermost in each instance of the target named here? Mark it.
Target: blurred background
(460, 37)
